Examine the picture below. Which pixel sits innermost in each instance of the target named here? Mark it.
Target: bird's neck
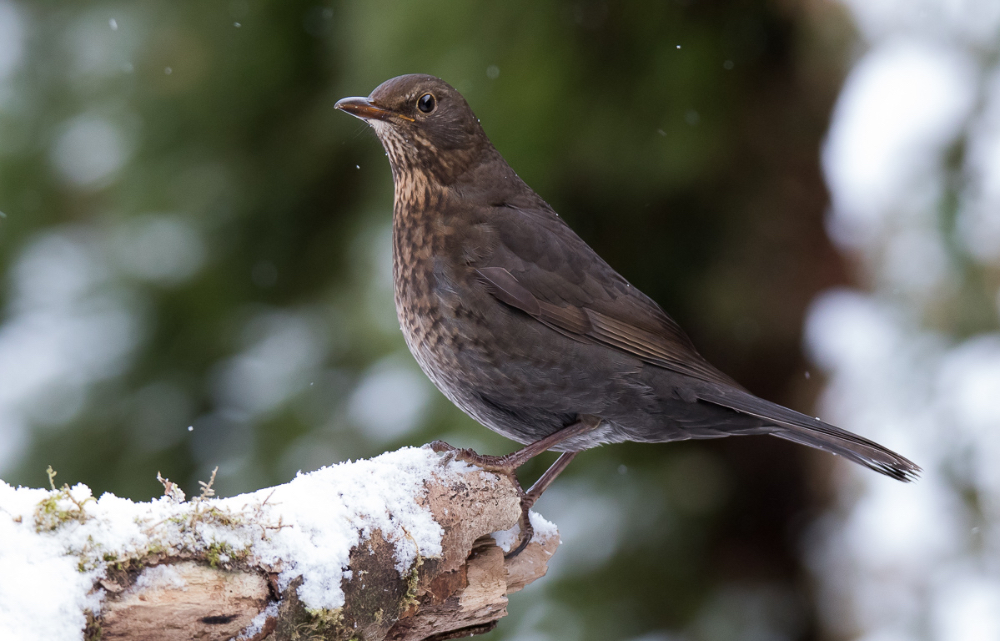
(413, 191)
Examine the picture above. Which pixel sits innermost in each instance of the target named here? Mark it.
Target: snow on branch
(408, 545)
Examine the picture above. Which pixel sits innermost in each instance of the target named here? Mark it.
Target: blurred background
(195, 256)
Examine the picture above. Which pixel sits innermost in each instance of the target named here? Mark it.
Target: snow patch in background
(11, 39)
(90, 150)
(913, 163)
(65, 330)
(970, 22)
(901, 105)
(161, 248)
(391, 400)
(283, 353)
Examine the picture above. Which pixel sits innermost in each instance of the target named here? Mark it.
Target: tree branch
(398, 547)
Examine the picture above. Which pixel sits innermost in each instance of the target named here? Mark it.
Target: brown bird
(524, 327)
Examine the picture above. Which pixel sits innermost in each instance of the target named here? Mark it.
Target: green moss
(59, 507)
(211, 515)
(413, 580)
(93, 630)
(216, 516)
(322, 624)
(221, 553)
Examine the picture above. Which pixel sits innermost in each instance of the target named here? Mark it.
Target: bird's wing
(541, 267)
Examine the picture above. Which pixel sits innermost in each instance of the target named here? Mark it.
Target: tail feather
(805, 430)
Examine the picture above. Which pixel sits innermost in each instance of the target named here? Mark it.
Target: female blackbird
(524, 327)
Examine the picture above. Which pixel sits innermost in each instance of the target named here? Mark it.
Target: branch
(397, 547)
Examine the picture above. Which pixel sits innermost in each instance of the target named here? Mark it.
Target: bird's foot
(533, 494)
(507, 465)
(497, 464)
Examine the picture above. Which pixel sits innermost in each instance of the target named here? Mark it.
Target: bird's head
(424, 124)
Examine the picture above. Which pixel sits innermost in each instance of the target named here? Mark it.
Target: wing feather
(591, 325)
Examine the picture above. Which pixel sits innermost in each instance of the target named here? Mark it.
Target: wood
(462, 592)
(212, 603)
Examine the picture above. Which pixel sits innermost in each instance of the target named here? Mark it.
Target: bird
(526, 328)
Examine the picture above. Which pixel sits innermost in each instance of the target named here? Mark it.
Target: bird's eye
(426, 103)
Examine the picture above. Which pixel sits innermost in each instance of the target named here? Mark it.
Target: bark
(461, 592)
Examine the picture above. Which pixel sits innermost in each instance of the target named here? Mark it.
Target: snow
(159, 577)
(43, 596)
(372, 495)
(304, 528)
(913, 164)
(257, 624)
(507, 540)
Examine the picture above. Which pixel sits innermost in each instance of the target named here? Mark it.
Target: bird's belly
(505, 371)
(525, 381)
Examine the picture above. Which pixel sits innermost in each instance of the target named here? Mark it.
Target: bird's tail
(799, 428)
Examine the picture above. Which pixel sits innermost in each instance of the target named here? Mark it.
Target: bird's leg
(528, 499)
(545, 480)
(508, 464)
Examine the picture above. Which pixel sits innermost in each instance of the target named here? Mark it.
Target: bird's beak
(366, 110)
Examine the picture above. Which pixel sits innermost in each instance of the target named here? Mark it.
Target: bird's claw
(524, 522)
(497, 465)
(441, 447)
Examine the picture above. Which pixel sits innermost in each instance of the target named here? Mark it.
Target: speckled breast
(422, 274)
(439, 304)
